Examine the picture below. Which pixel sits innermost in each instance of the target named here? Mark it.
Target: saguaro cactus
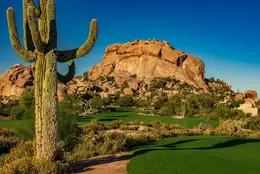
(40, 46)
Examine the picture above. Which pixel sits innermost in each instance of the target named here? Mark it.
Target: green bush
(8, 140)
(133, 75)
(166, 111)
(124, 85)
(72, 102)
(142, 103)
(17, 112)
(158, 104)
(26, 99)
(211, 79)
(110, 79)
(237, 103)
(125, 101)
(253, 123)
(195, 102)
(224, 113)
(96, 103)
(6, 108)
(85, 76)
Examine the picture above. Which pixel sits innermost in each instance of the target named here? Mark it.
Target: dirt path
(113, 164)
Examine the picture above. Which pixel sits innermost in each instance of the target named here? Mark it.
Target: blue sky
(225, 34)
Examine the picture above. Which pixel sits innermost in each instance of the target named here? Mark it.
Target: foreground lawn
(197, 155)
(131, 114)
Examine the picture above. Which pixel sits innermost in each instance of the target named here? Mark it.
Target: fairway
(197, 155)
(131, 114)
(124, 114)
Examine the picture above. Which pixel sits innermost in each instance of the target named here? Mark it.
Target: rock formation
(18, 78)
(148, 59)
(248, 94)
(14, 81)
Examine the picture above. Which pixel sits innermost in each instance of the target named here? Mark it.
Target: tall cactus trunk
(45, 107)
(40, 44)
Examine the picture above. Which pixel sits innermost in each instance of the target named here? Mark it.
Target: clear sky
(225, 34)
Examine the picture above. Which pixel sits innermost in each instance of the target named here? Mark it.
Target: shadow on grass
(172, 146)
(85, 165)
(103, 118)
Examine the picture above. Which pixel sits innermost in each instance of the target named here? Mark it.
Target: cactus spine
(40, 46)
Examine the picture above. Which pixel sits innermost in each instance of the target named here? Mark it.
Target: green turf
(197, 155)
(131, 114)
(124, 114)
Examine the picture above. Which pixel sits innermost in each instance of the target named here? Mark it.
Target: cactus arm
(69, 76)
(36, 37)
(43, 20)
(28, 43)
(65, 56)
(26, 55)
(52, 28)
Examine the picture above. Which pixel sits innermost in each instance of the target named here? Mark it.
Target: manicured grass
(24, 128)
(13, 124)
(197, 155)
(124, 114)
(131, 114)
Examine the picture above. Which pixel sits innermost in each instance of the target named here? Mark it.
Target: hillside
(141, 68)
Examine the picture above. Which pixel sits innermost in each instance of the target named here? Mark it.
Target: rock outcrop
(248, 94)
(14, 81)
(18, 78)
(148, 59)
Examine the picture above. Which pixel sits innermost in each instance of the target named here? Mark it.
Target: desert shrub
(21, 160)
(253, 123)
(166, 111)
(195, 102)
(99, 144)
(157, 104)
(113, 124)
(124, 85)
(133, 76)
(137, 139)
(8, 140)
(68, 130)
(96, 103)
(26, 99)
(125, 101)
(85, 76)
(211, 79)
(17, 112)
(72, 102)
(6, 108)
(110, 78)
(142, 103)
(157, 83)
(237, 103)
(224, 113)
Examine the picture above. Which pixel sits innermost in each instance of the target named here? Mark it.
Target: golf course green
(197, 155)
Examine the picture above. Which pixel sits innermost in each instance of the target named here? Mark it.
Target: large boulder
(148, 59)
(15, 80)
(19, 77)
(250, 94)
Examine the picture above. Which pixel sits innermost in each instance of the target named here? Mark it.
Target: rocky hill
(148, 59)
(138, 68)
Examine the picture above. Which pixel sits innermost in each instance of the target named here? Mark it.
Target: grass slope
(131, 114)
(197, 155)
(124, 114)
